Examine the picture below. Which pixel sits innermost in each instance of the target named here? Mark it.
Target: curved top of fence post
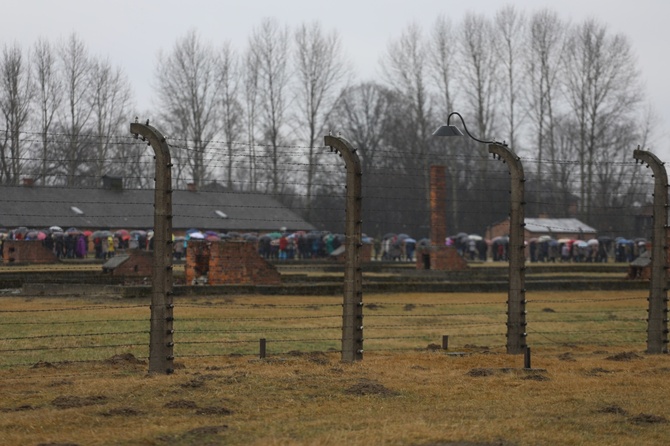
(344, 148)
(508, 155)
(657, 166)
(155, 138)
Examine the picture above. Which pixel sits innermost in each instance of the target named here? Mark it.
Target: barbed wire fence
(58, 333)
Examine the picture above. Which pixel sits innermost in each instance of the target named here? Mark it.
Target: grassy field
(73, 371)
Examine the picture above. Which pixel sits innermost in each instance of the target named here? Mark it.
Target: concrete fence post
(160, 337)
(516, 302)
(657, 322)
(352, 314)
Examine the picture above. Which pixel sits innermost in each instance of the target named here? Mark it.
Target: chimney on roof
(28, 182)
(112, 183)
(191, 187)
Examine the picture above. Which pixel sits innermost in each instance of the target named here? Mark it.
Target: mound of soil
(479, 372)
(536, 377)
(433, 347)
(613, 409)
(43, 365)
(366, 387)
(213, 410)
(121, 412)
(207, 430)
(598, 371)
(18, 409)
(624, 356)
(567, 356)
(645, 418)
(125, 358)
(181, 404)
(68, 402)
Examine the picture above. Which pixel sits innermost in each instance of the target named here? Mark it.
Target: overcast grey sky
(130, 33)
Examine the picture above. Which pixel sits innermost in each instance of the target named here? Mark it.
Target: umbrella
(138, 233)
(402, 236)
(582, 244)
(592, 242)
(273, 235)
(564, 240)
(197, 235)
(388, 235)
(73, 231)
(41, 235)
(87, 233)
(544, 238)
(192, 230)
(475, 237)
(56, 229)
(101, 234)
(212, 237)
(410, 240)
(122, 234)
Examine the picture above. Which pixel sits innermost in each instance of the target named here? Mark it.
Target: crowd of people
(75, 244)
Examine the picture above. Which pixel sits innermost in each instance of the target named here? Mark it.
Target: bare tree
(479, 73)
(319, 70)
(405, 66)
(443, 65)
(545, 47)
(602, 90)
(15, 96)
(269, 46)
(48, 98)
(251, 99)
(509, 30)
(231, 114)
(74, 117)
(187, 89)
(110, 102)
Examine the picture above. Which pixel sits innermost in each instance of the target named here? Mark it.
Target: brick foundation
(26, 251)
(139, 263)
(228, 262)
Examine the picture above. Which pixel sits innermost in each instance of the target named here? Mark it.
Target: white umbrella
(197, 235)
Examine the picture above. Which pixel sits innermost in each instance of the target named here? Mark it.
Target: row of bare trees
(566, 96)
(63, 109)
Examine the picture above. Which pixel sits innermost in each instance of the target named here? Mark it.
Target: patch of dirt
(645, 418)
(125, 358)
(418, 367)
(467, 443)
(373, 306)
(213, 410)
(536, 377)
(43, 365)
(598, 371)
(207, 430)
(479, 372)
(624, 356)
(68, 402)
(58, 444)
(433, 347)
(195, 383)
(409, 307)
(613, 409)
(548, 310)
(23, 408)
(319, 358)
(122, 412)
(64, 382)
(567, 356)
(366, 387)
(181, 404)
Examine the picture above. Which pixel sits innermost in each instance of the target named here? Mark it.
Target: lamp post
(516, 300)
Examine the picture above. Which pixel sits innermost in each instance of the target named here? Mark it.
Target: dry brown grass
(582, 393)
